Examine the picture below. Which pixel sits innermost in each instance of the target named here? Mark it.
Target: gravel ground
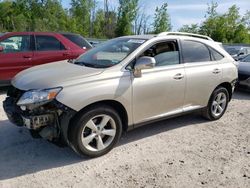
(183, 152)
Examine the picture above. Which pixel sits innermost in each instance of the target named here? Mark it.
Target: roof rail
(185, 34)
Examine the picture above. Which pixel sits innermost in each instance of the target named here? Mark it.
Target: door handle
(216, 71)
(178, 76)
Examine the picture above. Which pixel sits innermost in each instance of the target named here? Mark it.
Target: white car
(124, 83)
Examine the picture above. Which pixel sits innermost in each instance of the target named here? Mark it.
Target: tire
(90, 135)
(219, 94)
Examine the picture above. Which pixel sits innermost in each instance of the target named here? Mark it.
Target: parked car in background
(124, 83)
(244, 72)
(21, 50)
(237, 52)
(95, 42)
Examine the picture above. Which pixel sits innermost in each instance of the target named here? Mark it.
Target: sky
(181, 12)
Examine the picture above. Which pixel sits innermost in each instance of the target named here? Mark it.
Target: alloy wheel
(219, 104)
(98, 133)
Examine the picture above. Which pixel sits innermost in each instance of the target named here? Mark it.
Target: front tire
(217, 104)
(95, 131)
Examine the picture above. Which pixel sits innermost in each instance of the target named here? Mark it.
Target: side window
(195, 52)
(78, 40)
(16, 44)
(216, 55)
(165, 53)
(48, 43)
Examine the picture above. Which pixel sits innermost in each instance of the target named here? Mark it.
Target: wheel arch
(117, 106)
(228, 86)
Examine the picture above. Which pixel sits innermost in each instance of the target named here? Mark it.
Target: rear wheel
(217, 104)
(95, 131)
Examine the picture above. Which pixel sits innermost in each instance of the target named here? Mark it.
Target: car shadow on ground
(20, 154)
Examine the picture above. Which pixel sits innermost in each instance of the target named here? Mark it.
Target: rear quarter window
(215, 54)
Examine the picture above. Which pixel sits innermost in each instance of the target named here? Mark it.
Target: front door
(159, 92)
(16, 56)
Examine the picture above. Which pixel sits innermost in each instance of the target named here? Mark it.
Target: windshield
(109, 53)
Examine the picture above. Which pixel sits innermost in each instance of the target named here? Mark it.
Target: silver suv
(123, 83)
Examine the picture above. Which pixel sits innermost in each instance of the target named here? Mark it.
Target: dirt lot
(182, 152)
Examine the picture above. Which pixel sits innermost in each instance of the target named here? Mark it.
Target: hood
(52, 75)
(244, 68)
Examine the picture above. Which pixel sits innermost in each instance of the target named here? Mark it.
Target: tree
(246, 20)
(98, 24)
(141, 25)
(193, 28)
(33, 15)
(126, 14)
(227, 28)
(162, 20)
(81, 14)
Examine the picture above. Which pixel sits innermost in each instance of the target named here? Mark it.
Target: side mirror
(143, 63)
(1, 48)
(241, 53)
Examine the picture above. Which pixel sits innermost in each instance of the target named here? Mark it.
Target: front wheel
(217, 104)
(95, 131)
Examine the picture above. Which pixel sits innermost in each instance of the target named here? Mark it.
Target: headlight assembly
(38, 96)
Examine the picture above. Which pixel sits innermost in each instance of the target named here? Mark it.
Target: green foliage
(227, 28)
(81, 17)
(32, 15)
(126, 14)
(81, 14)
(193, 28)
(162, 19)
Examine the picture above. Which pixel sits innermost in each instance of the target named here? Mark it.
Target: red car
(21, 50)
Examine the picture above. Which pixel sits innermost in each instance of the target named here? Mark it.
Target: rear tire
(217, 104)
(95, 131)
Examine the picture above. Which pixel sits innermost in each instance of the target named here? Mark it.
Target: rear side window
(78, 40)
(16, 44)
(216, 55)
(195, 52)
(48, 43)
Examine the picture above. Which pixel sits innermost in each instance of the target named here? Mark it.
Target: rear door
(203, 73)
(48, 48)
(17, 55)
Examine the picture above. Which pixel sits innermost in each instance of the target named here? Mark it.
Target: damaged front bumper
(50, 120)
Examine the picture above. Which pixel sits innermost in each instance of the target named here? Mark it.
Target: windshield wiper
(91, 65)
